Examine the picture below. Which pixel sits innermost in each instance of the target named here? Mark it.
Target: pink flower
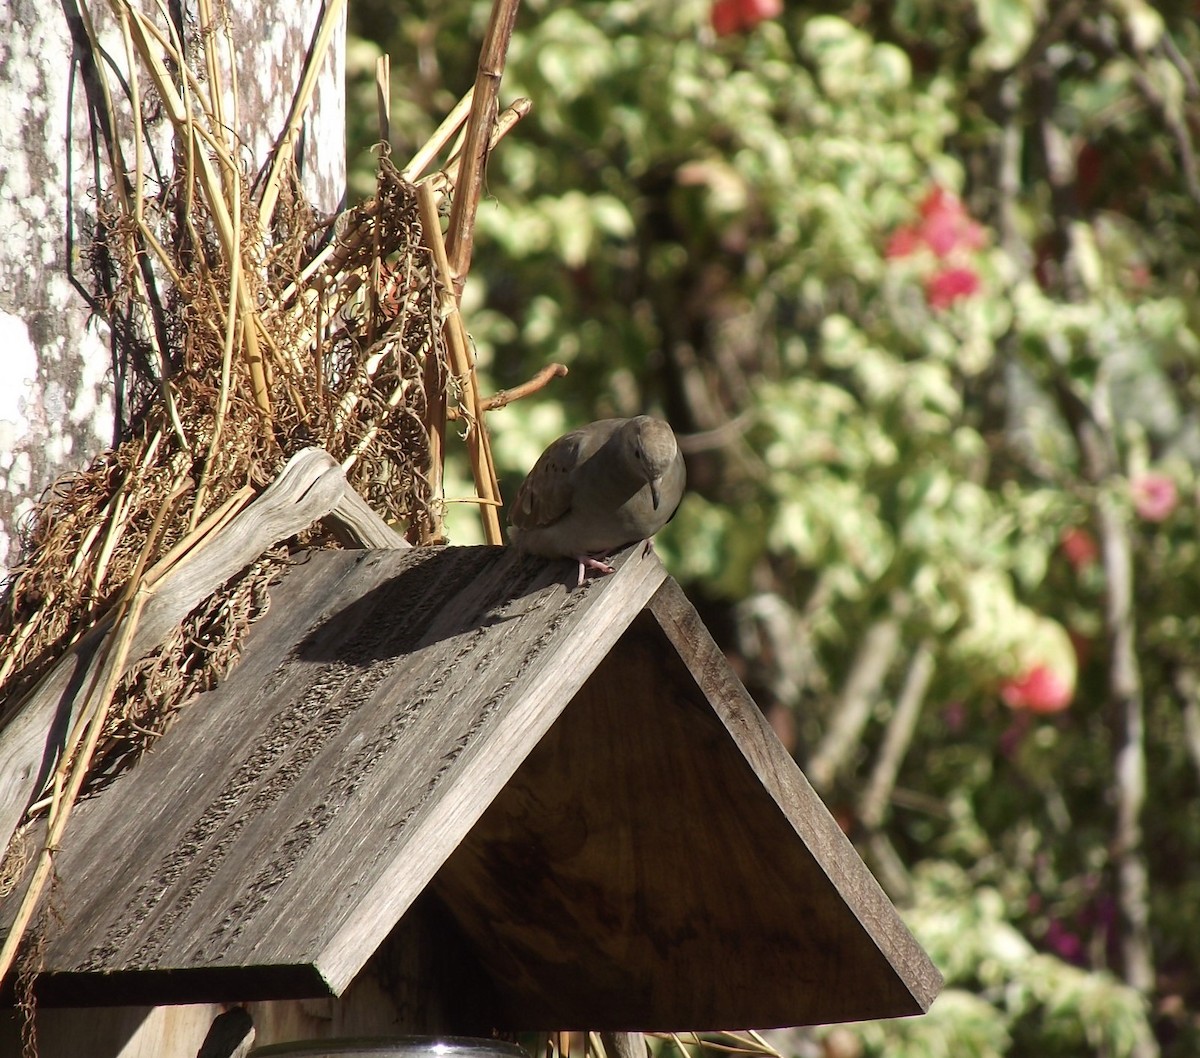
(1079, 548)
(905, 240)
(1065, 943)
(954, 716)
(1155, 496)
(1039, 690)
(943, 288)
(947, 231)
(945, 226)
(736, 16)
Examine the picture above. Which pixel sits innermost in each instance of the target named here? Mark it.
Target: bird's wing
(548, 491)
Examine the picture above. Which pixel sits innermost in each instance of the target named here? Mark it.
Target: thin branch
(872, 807)
(383, 98)
(1125, 689)
(147, 40)
(505, 123)
(1178, 129)
(80, 746)
(503, 397)
(1187, 690)
(1094, 430)
(132, 201)
(1176, 123)
(868, 670)
(889, 867)
(718, 436)
(1171, 50)
(330, 21)
(338, 251)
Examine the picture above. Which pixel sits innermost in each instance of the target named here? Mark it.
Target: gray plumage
(597, 489)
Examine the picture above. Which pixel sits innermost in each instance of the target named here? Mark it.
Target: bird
(598, 489)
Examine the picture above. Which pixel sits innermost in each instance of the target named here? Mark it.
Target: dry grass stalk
(688, 1044)
(84, 737)
(245, 345)
(442, 135)
(301, 100)
(462, 366)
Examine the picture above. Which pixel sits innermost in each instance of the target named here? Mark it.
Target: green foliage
(1034, 998)
(919, 278)
(1001, 994)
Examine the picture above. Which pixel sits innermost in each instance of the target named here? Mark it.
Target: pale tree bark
(859, 695)
(1093, 426)
(63, 383)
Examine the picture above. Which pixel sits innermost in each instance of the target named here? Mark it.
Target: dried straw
(246, 345)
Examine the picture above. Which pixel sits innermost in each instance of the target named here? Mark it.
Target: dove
(597, 489)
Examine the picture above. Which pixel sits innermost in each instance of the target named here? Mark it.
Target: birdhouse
(446, 791)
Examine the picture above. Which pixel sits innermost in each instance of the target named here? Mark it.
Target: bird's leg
(587, 562)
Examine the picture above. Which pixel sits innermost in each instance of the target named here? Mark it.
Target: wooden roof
(576, 774)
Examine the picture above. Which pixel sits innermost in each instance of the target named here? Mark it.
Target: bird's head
(654, 449)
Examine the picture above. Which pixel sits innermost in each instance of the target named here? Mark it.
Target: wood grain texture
(611, 833)
(310, 487)
(659, 862)
(282, 827)
(404, 990)
(358, 524)
(779, 775)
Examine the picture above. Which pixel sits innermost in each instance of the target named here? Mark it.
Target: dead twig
(860, 691)
(504, 397)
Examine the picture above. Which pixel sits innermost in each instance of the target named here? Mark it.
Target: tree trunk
(63, 383)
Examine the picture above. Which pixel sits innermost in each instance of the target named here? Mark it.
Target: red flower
(1079, 548)
(945, 226)
(945, 287)
(736, 16)
(947, 231)
(1155, 496)
(905, 240)
(1039, 690)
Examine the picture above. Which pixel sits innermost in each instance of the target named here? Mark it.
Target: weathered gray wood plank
(289, 817)
(576, 776)
(406, 989)
(310, 487)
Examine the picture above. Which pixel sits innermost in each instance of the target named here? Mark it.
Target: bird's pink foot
(587, 562)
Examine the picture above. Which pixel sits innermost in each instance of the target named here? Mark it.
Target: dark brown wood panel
(659, 862)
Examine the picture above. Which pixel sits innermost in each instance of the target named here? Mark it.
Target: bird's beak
(655, 491)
